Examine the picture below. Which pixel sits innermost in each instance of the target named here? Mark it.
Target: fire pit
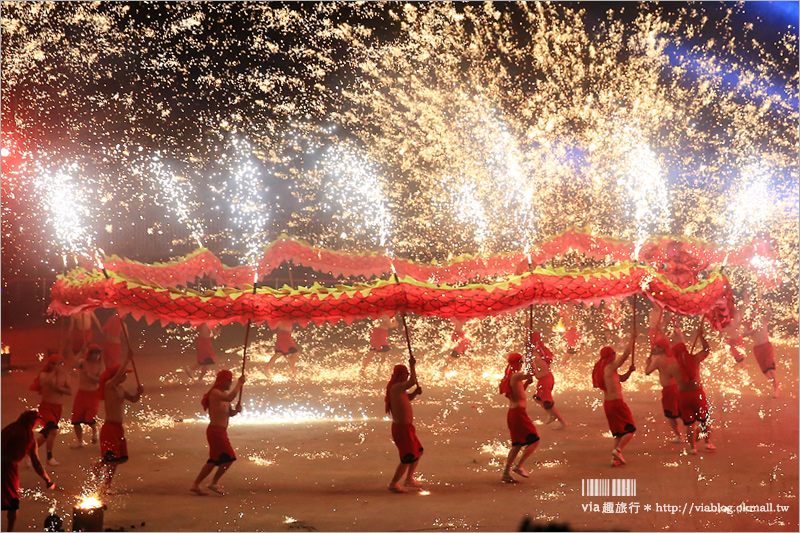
(5, 358)
(87, 515)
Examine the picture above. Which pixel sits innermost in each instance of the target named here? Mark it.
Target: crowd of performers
(102, 372)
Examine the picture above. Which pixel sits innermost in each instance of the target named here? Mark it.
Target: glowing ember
(89, 502)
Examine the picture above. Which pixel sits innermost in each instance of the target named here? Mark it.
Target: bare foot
(413, 484)
(396, 488)
(216, 488)
(521, 471)
(198, 491)
(76, 446)
(508, 479)
(617, 454)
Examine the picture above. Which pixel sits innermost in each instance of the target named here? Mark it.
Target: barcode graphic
(608, 487)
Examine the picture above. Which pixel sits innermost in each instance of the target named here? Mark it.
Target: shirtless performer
(80, 329)
(379, 341)
(87, 402)
(571, 318)
(757, 328)
(113, 446)
(460, 345)
(112, 348)
(284, 346)
(734, 339)
(660, 358)
(398, 403)
(523, 432)
(217, 402)
(18, 442)
(542, 358)
(205, 351)
(693, 402)
(606, 378)
(53, 384)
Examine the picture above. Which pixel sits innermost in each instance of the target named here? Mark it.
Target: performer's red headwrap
(686, 361)
(664, 344)
(223, 377)
(400, 373)
(113, 325)
(606, 356)
(514, 365)
(538, 345)
(52, 361)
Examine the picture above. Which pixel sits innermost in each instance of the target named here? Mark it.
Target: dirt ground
(315, 453)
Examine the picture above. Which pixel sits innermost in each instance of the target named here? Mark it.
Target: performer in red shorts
(542, 359)
(523, 432)
(17, 442)
(660, 358)
(205, 352)
(284, 346)
(733, 337)
(53, 384)
(398, 403)
(87, 400)
(217, 402)
(113, 446)
(379, 344)
(606, 378)
(756, 323)
(460, 344)
(693, 402)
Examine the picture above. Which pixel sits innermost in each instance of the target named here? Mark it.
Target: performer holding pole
(124, 329)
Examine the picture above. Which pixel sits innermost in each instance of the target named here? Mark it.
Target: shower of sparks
(256, 412)
(248, 217)
(750, 209)
(450, 128)
(66, 203)
(171, 191)
(359, 188)
(645, 186)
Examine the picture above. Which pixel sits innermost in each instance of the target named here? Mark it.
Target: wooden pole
(246, 342)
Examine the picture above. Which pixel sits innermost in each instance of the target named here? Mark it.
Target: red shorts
(572, 335)
(694, 406)
(50, 413)
(220, 449)
(284, 343)
(10, 489)
(670, 402)
(113, 446)
(620, 419)
(523, 432)
(205, 351)
(85, 407)
(765, 356)
(408, 445)
(111, 353)
(379, 340)
(736, 347)
(544, 390)
(78, 338)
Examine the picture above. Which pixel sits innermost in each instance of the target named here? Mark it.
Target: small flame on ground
(89, 502)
